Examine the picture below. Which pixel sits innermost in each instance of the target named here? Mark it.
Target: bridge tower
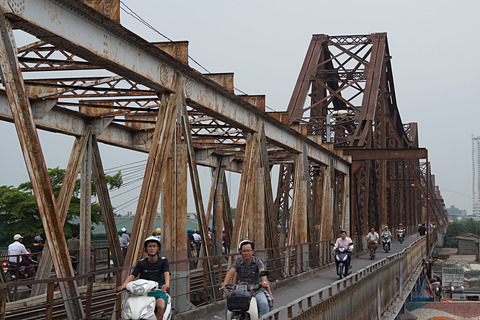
(345, 95)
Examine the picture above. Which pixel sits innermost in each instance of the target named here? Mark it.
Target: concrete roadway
(288, 290)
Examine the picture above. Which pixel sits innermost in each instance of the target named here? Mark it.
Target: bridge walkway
(294, 288)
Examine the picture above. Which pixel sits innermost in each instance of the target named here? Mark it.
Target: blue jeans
(262, 304)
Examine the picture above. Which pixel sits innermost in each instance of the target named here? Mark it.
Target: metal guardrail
(283, 262)
(370, 290)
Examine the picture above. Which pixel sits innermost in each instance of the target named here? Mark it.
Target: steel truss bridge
(344, 156)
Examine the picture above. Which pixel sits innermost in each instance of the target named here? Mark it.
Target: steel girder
(32, 152)
(352, 100)
(121, 105)
(107, 45)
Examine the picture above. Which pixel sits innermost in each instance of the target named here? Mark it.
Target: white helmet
(17, 237)
(124, 230)
(150, 239)
(246, 242)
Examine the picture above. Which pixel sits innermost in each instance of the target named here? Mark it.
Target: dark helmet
(244, 242)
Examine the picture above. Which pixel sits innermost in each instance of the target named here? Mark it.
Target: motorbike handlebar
(249, 287)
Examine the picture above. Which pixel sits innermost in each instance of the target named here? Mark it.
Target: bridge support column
(85, 211)
(326, 224)
(152, 183)
(37, 170)
(106, 208)
(197, 192)
(297, 227)
(63, 202)
(174, 213)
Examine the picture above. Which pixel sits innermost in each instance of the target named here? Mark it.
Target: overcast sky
(434, 46)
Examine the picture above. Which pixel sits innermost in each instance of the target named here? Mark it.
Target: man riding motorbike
(386, 236)
(345, 242)
(18, 258)
(401, 232)
(372, 240)
(248, 268)
(153, 268)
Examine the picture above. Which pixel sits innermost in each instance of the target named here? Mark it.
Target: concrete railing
(366, 294)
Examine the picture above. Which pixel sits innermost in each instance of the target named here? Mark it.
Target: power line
(462, 194)
(132, 13)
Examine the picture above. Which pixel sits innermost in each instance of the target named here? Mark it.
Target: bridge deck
(289, 290)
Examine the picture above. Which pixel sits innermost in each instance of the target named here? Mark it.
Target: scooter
(140, 306)
(241, 305)
(342, 261)
(372, 246)
(386, 243)
(401, 235)
(23, 272)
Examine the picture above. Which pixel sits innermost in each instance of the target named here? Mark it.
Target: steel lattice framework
(89, 77)
(352, 103)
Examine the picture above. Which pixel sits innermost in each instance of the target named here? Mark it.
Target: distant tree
(454, 211)
(456, 229)
(19, 210)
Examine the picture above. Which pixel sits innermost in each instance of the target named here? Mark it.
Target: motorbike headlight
(336, 257)
(147, 309)
(126, 311)
(138, 289)
(345, 258)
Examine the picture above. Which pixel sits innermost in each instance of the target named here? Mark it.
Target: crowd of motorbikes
(239, 303)
(343, 255)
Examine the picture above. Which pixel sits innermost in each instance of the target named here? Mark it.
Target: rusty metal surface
(123, 106)
(36, 167)
(145, 64)
(349, 80)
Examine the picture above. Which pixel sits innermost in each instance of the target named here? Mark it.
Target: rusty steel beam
(63, 203)
(298, 218)
(227, 218)
(271, 237)
(27, 134)
(174, 214)
(144, 63)
(109, 8)
(106, 208)
(197, 193)
(385, 154)
(83, 265)
(242, 218)
(152, 183)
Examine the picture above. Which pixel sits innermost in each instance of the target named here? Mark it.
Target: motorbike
(386, 243)
(342, 261)
(401, 235)
(372, 246)
(241, 305)
(22, 272)
(140, 306)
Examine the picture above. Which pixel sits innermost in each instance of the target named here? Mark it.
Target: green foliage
(454, 211)
(19, 210)
(456, 229)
